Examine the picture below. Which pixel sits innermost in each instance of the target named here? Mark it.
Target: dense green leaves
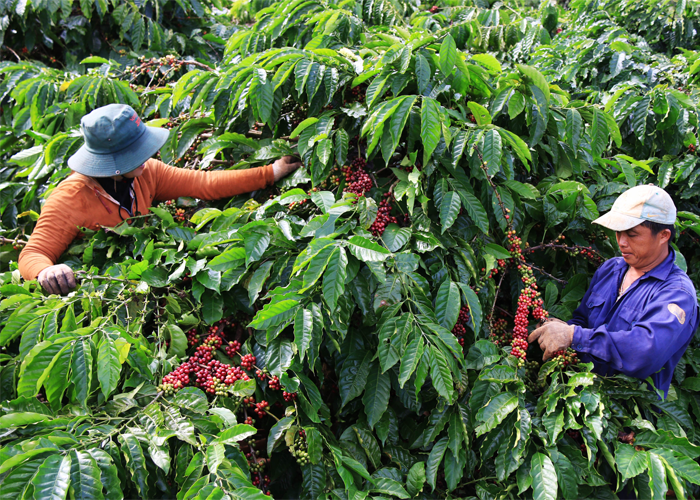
(419, 132)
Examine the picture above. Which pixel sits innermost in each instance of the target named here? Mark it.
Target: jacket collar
(661, 271)
(97, 188)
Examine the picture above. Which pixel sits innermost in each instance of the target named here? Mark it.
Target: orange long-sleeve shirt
(79, 201)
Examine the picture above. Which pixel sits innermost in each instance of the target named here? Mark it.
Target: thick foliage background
(377, 301)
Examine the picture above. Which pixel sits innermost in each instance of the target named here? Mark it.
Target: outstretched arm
(664, 326)
(54, 232)
(172, 182)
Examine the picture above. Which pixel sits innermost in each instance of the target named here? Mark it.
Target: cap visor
(124, 161)
(617, 221)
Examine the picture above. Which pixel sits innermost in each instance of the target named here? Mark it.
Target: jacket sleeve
(172, 182)
(53, 234)
(664, 326)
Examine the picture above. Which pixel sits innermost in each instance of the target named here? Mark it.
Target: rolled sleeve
(172, 182)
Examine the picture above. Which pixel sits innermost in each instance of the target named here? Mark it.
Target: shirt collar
(662, 271)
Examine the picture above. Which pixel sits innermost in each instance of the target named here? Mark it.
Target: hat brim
(120, 162)
(618, 222)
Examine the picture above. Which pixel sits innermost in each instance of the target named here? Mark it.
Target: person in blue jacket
(641, 310)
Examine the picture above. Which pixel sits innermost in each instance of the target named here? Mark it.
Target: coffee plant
(358, 330)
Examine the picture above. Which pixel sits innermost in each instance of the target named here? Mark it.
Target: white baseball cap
(639, 204)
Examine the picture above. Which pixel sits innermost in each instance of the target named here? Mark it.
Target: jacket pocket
(626, 318)
(595, 300)
(595, 305)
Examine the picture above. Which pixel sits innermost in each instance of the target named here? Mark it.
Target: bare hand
(284, 166)
(57, 279)
(553, 336)
(552, 320)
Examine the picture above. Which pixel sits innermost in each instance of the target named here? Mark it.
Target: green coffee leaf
(448, 55)
(274, 314)
(108, 366)
(52, 478)
(434, 460)
(544, 477)
(85, 479)
(376, 398)
(430, 127)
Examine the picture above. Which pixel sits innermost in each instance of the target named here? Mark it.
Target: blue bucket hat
(116, 142)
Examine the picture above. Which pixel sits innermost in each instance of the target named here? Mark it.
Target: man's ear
(665, 235)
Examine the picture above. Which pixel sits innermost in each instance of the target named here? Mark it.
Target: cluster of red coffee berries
(383, 218)
(460, 329)
(257, 465)
(565, 358)
(177, 213)
(213, 340)
(356, 178)
(260, 408)
(274, 383)
(233, 348)
(502, 264)
(434, 9)
(248, 361)
(586, 252)
(515, 243)
(257, 481)
(296, 204)
(519, 344)
(289, 396)
(499, 332)
(358, 93)
(212, 376)
(192, 337)
(333, 178)
(691, 148)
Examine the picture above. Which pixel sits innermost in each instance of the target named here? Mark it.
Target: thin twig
(489, 179)
(545, 246)
(504, 311)
(548, 275)
(105, 278)
(14, 242)
(493, 306)
(15, 53)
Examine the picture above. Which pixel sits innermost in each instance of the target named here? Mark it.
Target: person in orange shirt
(114, 177)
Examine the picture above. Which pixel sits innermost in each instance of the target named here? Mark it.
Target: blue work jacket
(643, 333)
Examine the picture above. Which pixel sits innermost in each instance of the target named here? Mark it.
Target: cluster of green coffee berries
(299, 448)
(532, 371)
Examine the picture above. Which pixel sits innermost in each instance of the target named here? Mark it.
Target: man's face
(135, 173)
(640, 247)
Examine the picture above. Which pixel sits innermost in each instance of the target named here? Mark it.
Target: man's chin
(629, 258)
